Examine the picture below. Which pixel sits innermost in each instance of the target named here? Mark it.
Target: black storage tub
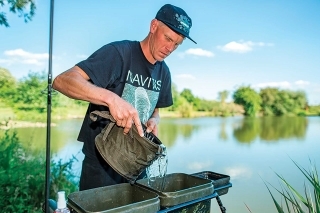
(116, 198)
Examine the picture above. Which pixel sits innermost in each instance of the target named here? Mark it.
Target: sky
(274, 43)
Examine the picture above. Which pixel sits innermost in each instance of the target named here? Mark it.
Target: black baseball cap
(176, 19)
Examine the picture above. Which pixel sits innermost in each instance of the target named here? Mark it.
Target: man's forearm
(75, 84)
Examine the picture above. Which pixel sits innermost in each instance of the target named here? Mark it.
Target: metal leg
(222, 208)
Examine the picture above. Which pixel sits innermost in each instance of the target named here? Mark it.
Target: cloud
(196, 52)
(199, 166)
(185, 76)
(4, 61)
(282, 84)
(242, 46)
(24, 57)
(239, 172)
(199, 52)
(302, 83)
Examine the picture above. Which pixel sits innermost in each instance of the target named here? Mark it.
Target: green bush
(22, 177)
(185, 108)
(249, 99)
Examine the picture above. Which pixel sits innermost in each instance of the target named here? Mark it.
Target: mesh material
(129, 154)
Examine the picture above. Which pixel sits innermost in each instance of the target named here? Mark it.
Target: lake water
(251, 151)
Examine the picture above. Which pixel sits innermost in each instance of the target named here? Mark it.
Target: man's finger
(155, 131)
(137, 122)
(119, 122)
(126, 130)
(127, 126)
(150, 127)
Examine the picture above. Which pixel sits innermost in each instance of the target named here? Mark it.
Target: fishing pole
(49, 93)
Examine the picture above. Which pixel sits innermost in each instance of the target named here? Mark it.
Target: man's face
(163, 41)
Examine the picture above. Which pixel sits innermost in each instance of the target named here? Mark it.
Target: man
(131, 81)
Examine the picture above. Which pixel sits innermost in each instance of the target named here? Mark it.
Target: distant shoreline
(5, 125)
(10, 124)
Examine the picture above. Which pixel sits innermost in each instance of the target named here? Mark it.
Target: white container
(62, 203)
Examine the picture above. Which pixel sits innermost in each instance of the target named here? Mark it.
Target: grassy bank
(10, 118)
(5, 112)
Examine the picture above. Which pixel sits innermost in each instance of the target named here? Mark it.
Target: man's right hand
(125, 114)
(75, 84)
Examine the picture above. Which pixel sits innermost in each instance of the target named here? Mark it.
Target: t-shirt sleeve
(104, 66)
(165, 96)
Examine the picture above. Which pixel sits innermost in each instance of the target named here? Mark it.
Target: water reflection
(274, 129)
(170, 129)
(271, 129)
(245, 130)
(35, 137)
(218, 145)
(223, 133)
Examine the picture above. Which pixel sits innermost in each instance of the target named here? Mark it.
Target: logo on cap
(184, 23)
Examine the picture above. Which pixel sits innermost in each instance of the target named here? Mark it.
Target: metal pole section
(222, 208)
(48, 159)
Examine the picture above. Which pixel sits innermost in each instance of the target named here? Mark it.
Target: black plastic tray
(116, 198)
(218, 180)
(178, 188)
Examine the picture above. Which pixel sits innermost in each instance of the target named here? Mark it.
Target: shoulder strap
(103, 114)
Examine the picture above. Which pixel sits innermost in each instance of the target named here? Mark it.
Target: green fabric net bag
(129, 154)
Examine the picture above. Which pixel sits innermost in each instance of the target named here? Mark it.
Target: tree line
(28, 99)
(273, 102)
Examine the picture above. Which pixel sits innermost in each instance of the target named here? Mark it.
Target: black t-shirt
(122, 68)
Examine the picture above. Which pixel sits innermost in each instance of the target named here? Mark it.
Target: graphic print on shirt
(142, 93)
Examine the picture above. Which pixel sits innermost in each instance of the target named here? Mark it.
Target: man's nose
(170, 47)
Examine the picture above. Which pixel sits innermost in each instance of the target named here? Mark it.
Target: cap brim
(191, 39)
(181, 32)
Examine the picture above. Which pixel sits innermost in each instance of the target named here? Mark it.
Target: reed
(292, 200)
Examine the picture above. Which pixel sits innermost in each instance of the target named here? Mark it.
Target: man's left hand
(152, 126)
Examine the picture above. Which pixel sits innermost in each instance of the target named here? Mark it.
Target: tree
(28, 94)
(282, 102)
(269, 97)
(223, 95)
(249, 99)
(194, 101)
(17, 6)
(187, 94)
(7, 84)
(185, 108)
(175, 97)
(300, 98)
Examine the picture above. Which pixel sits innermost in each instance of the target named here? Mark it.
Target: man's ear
(153, 25)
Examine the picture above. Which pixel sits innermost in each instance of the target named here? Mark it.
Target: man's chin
(161, 58)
